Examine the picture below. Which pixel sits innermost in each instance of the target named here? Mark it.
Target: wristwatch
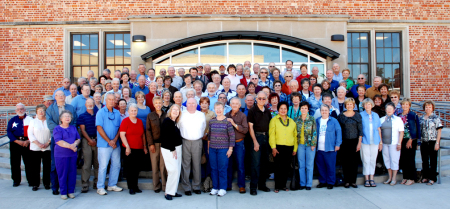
(235, 125)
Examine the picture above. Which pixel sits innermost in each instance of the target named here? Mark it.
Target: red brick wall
(31, 64)
(88, 10)
(429, 62)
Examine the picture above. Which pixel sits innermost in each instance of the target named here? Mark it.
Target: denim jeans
(260, 160)
(104, 155)
(238, 158)
(306, 164)
(219, 165)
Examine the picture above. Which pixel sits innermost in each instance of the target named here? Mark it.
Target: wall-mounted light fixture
(139, 38)
(337, 37)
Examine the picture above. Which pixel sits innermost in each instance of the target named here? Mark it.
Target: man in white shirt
(73, 93)
(289, 67)
(192, 125)
(239, 71)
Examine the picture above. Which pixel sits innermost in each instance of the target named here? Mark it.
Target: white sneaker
(115, 189)
(64, 197)
(213, 192)
(71, 195)
(222, 192)
(101, 191)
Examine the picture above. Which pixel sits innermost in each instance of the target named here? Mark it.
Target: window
(118, 54)
(389, 59)
(84, 55)
(358, 55)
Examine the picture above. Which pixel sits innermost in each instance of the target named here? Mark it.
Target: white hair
(80, 78)
(133, 105)
(225, 78)
(20, 104)
(235, 98)
(341, 88)
(190, 90)
(211, 83)
(249, 95)
(90, 71)
(378, 77)
(116, 80)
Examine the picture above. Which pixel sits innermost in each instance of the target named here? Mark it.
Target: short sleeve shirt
(110, 122)
(69, 135)
(133, 133)
(259, 119)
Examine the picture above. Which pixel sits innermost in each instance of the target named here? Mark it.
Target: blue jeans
(53, 173)
(326, 164)
(306, 164)
(104, 155)
(260, 161)
(237, 157)
(219, 165)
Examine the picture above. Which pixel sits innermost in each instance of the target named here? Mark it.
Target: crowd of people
(208, 124)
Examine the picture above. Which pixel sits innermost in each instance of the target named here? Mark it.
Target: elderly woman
(283, 141)
(97, 101)
(392, 129)
(316, 100)
(384, 90)
(234, 80)
(370, 144)
(338, 102)
(305, 83)
(345, 77)
(379, 106)
(395, 98)
(159, 85)
(198, 87)
(328, 143)
(312, 81)
(277, 89)
(98, 89)
(274, 99)
(307, 141)
(352, 132)
(39, 136)
(149, 96)
(294, 110)
(166, 96)
(326, 88)
(263, 80)
(126, 94)
(206, 174)
(133, 140)
(67, 139)
(361, 89)
(153, 132)
(276, 76)
(171, 145)
(409, 143)
(123, 109)
(348, 93)
(246, 79)
(221, 140)
(431, 128)
(288, 76)
(190, 94)
(143, 110)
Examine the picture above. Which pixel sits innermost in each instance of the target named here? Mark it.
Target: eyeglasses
(263, 72)
(222, 98)
(394, 97)
(111, 114)
(261, 98)
(277, 85)
(288, 76)
(360, 78)
(271, 65)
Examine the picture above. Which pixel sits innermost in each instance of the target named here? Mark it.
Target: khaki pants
(158, 168)
(192, 157)
(90, 159)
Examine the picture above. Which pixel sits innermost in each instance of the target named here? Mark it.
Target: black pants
(408, 160)
(36, 158)
(17, 154)
(429, 160)
(282, 162)
(260, 161)
(132, 167)
(350, 159)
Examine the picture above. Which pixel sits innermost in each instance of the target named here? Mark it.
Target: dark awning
(242, 35)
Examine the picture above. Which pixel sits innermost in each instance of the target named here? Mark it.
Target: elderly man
(240, 90)
(81, 81)
(86, 122)
(142, 70)
(256, 68)
(372, 91)
(194, 74)
(222, 69)
(79, 102)
(90, 74)
(48, 100)
(108, 123)
(223, 98)
(333, 83)
(337, 75)
(73, 93)
(133, 78)
(289, 67)
(181, 72)
(192, 126)
(211, 94)
(65, 88)
(361, 81)
(258, 123)
(117, 74)
(315, 71)
(177, 81)
(140, 87)
(249, 103)
(207, 69)
(226, 83)
(200, 76)
(293, 86)
(92, 83)
(255, 79)
(272, 67)
(107, 73)
(52, 117)
(247, 64)
(239, 122)
(125, 70)
(115, 86)
(19, 144)
(151, 77)
(162, 72)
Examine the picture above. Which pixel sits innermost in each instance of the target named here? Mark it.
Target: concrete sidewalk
(383, 196)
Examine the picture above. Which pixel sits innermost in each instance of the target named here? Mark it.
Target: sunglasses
(254, 78)
(360, 78)
(394, 97)
(261, 99)
(271, 66)
(288, 76)
(263, 72)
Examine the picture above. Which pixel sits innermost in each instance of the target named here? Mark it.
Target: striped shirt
(221, 134)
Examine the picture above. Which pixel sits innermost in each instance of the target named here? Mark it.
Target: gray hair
(180, 69)
(96, 93)
(219, 104)
(189, 90)
(93, 79)
(293, 81)
(73, 85)
(368, 100)
(20, 104)
(378, 77)
(235, 98)
(117, 93)
(168, 68)
(107, 70)
(126, 69)
(226, 78)
(239, 64)
(142, 65)
(61, 92)
(80, 78)
(324, 105)
(206, 65)
(90, 71)
(215, 75)
(247, 69)
(343, 81)
(108, 81)
(133, 105)
(249, 95)
(116, 80)
(65, 112)
(89, 99)
(118, 71)
(341, 88)
(211, 83)
(265, 95)
(256, 64)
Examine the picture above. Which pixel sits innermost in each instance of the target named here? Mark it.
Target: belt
(93, 137)
(22, 138)
(260, 133)
(239, 140)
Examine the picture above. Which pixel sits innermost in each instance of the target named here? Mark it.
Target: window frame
(400, 63)
(72, 66)
(369, 66)
(105, 64)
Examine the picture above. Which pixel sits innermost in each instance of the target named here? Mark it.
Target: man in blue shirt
(86, 121)
(108, 123)
(333, 83)
(337, 75)
(223, 99)
(249, 102)
(211, 94)
(79, 102)
(361, 81)
(65, 88)
(141, 87)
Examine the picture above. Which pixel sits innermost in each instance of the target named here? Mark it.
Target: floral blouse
(309, 130)
(430, 127)
(406, 134)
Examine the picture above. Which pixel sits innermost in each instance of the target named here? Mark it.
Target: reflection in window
(294, 56)
(239, 52)
(190, 56)
(265, 53)
(118, 54)
(389, 59)
(213, 54)
(358, 55)
(84, 54)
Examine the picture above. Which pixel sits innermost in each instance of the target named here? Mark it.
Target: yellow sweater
(282, 135)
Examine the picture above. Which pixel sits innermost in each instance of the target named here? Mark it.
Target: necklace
(283, 123)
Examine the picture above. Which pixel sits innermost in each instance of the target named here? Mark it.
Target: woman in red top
(246, 78)
(288, 76)
(133, 139)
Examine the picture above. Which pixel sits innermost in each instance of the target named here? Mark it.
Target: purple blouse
(221, 134)
(69, 135)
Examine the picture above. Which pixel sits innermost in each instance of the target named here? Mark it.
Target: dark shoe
(242, 190)
(321, 185)
(47, 187)
(132, 192)
(228, 189)
(16, 184)
(56, 192)
(302, 188)
(158, 190)
(168, 197)
(94, 186)
(253, 192)
(354, 185)
(138, 190)
(197, 192)
(177, 195)
(84, 189)
(29, 185)
(35, 188)
(347, 185)
(265, 189)
(308, 188)
(330, 186)
(188, 193)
